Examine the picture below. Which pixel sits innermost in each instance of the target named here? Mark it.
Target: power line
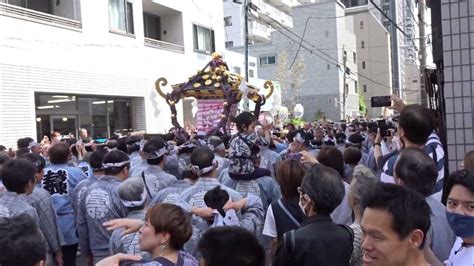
(337, 64)
(391, 21)
(334, 62)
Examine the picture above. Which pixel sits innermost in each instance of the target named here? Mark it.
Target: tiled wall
(458, 45)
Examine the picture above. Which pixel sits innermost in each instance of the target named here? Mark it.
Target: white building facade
(259, 32)
(74, 64)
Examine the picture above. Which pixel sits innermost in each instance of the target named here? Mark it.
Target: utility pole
(246, 48)
(344, 56)
(422, 56)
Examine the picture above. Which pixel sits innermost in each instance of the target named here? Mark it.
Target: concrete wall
(323, 80)
(375, 54)
(92, 61)
(458, 41)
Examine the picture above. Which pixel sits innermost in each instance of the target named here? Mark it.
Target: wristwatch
(375, 144)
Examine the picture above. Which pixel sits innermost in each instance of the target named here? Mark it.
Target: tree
(290, 79)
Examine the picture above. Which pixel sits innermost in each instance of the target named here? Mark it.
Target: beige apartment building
(374, 56)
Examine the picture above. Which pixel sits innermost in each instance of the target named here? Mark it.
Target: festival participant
(96, 160)
(250, 209)
(331, 157)
(285, 214)
(264, 187)
(19, 180)
(101, 203)
(133, 150)
(3, 159)
(167, 227)
(321, 191)
(132, 194)
(153, 176)
(217, 145)
(189, 178)
(230, 246)
(416, 170)
(269, 159)
(242, 166)
(352, 156)
(60, 180)
(460, 214)
(415, 126)
(41, 200)
(363, 181)
(21, 242)
(468, 162)
(395, 223)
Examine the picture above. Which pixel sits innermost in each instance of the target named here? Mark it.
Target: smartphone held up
(380, 101)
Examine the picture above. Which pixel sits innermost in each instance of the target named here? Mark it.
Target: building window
(267, 60)
(363, 64)
(346, 90)
(237, 70)
(152, 26)
(365, 88)
(251, 74)
(252, 64)
(361, 25)
(354, 56)
(362, 44)
(102, 116)
(121, 16)
(356, 89)
(203, 39)
(229, 44)
(328, 66)
(327, 33)
(228, 21)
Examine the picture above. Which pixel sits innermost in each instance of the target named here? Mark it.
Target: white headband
(205, 170)
(32, 144)
(142, 144)
(112, 165)
(219, 147)
(135, 203)
(156, 154)
(299, 138)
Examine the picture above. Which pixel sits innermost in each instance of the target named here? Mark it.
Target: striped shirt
(434, 149)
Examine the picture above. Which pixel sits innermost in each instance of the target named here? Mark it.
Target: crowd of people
(345, 193)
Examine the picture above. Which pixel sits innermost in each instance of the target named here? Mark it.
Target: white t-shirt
(269, 228)
(460, 255)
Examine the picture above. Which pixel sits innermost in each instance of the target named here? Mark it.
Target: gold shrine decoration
(158, 83)
(268, 85)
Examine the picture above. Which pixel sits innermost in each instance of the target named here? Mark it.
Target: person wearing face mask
(460, 214)
(318, 241)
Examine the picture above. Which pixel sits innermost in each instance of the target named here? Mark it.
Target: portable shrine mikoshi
(214, 81)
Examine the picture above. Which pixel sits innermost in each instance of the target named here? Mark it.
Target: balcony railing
(164, 45)
(39, 17)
